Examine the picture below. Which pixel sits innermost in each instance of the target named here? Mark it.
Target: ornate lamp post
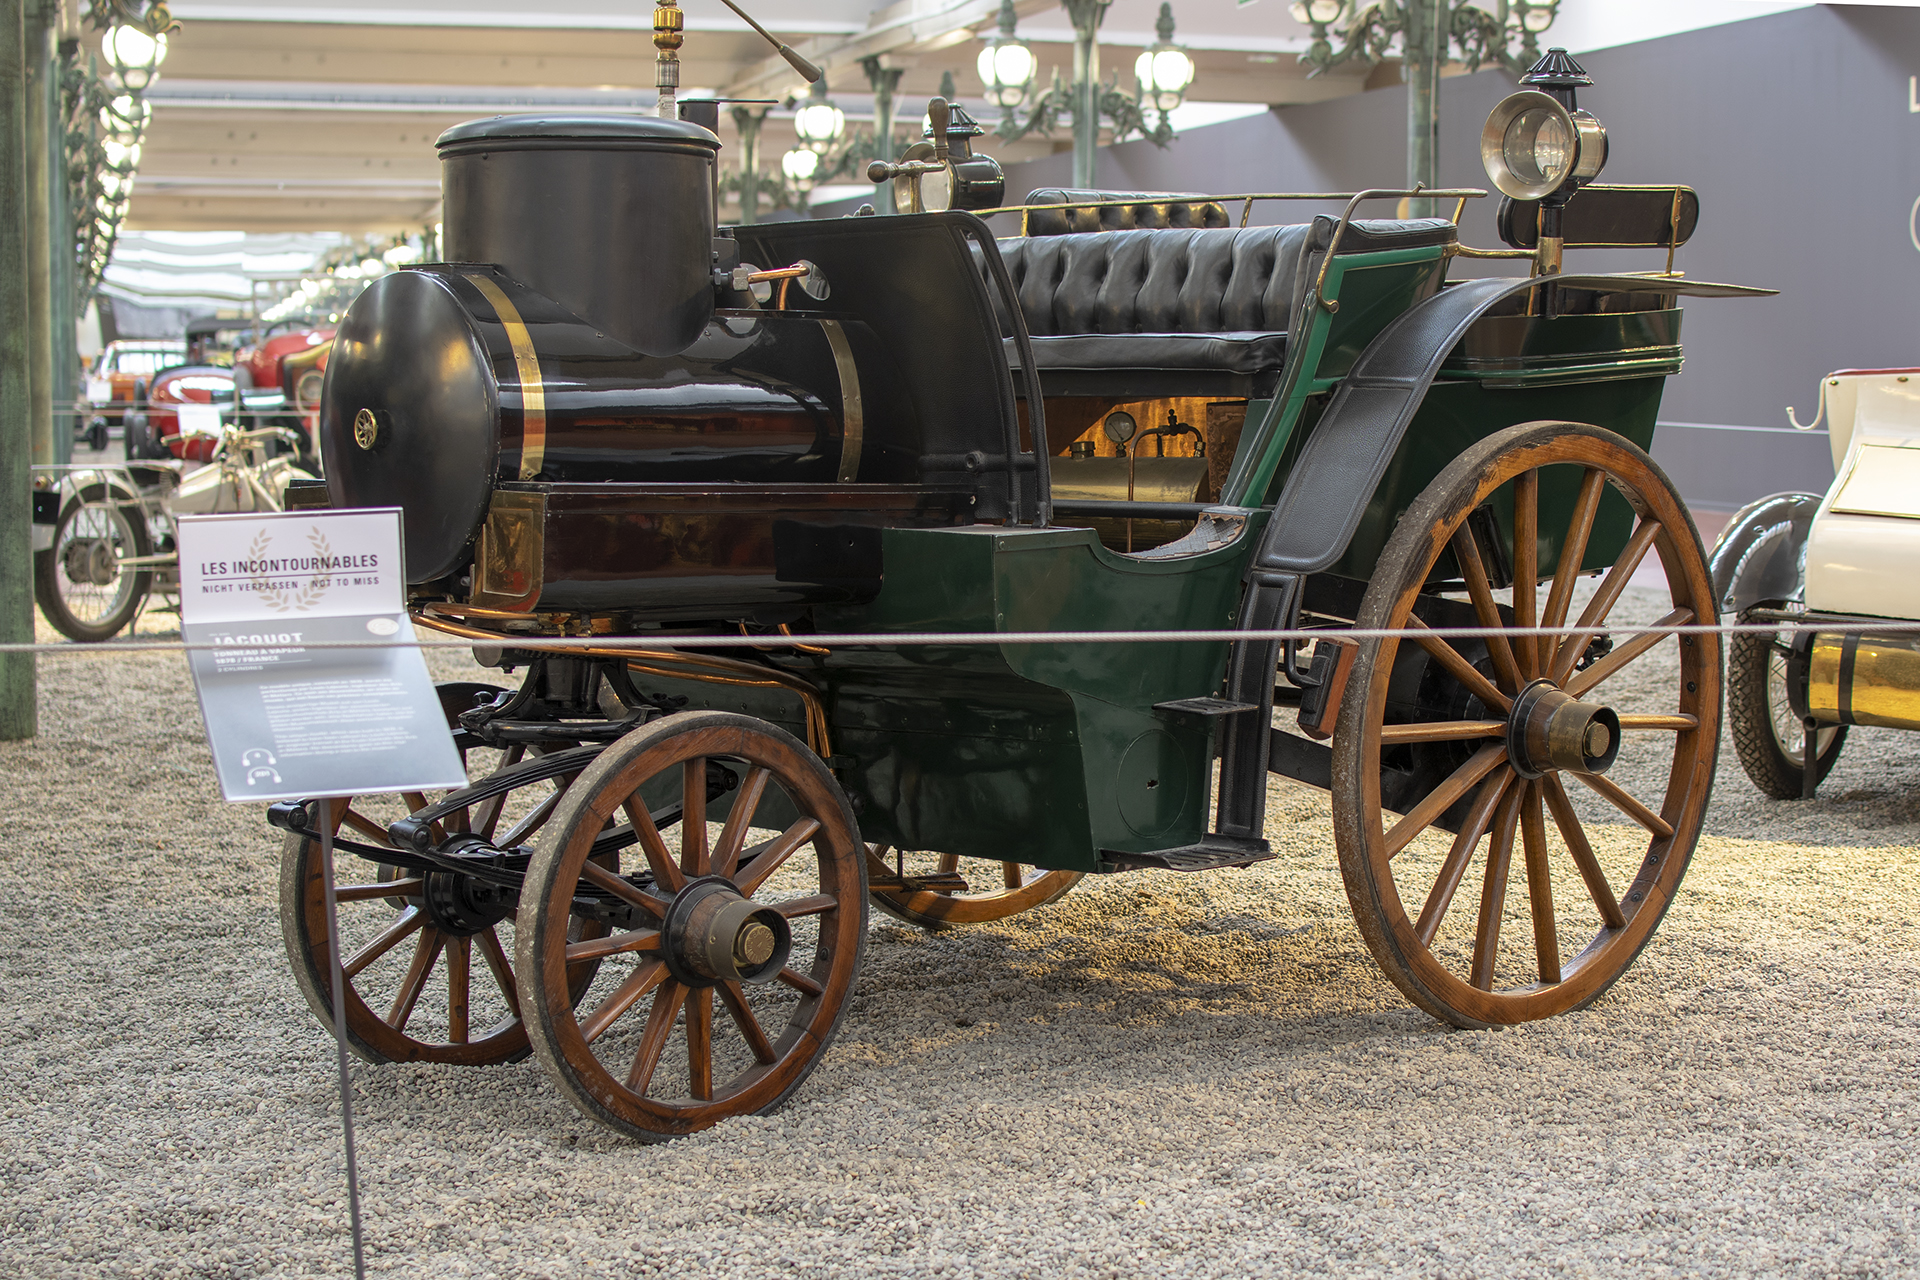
(1164, 71)
(1502, 32)
(1007, 64)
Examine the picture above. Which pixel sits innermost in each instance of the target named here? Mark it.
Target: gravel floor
(1161, 1075)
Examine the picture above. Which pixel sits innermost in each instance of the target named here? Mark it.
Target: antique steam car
(902, 460)
(1828, 569)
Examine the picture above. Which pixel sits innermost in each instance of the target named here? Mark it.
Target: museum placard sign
(289, 715)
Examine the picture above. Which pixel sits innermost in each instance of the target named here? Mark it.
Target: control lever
(922, 161)
(808, 71)
(940, 116)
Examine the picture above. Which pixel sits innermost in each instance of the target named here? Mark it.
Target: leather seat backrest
(1159, 281)
(1143, 210)
(1213, 280)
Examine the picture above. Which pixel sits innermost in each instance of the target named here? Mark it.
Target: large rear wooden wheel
(1497, 733)
(427, 954)
(937, 890)
(733, 949)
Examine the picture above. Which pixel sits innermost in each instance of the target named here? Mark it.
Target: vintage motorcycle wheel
(1768, 737)
(1021, 887)
(772, 932)
(1517, 739)
(398, 926)
(79, 582)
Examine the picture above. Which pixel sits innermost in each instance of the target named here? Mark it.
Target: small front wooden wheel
(766, 924)
(1481, 741)
(427, 955)
(932, 891)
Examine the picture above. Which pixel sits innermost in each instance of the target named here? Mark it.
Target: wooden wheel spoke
(1673, 724)
(518, 833)
(380, 889)
(800, 982)
(1443, 730)
(432, 941)
(459, 987)
(1459, 668)
(700, 1044)
(949, 864)
(693, 817)
(1526, 569)
(794, 908)
(1454, 869)
(601, 878)
(624, 997)
(1603, 601)
(1010, 875)
(666, 872)
(653, 1040)
(496, 958)
(1610, 665)
(769, 857)
(365, 826)
(1474, 571)
(1493, 891)
(1441, 798)
(486, 814)
(1572, 551)
(1627, 804)
(405, 923)
(757, 1042)
(746, 802)
(1533, 841)
(613, 945)
(1582, 852)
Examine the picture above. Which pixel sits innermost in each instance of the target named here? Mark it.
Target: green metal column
(39, 56)
(16, 546)
(1425, 47)
(1086, 16)
(64, 311)
(885, 83)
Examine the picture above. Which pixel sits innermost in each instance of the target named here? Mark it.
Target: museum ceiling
(283, 117)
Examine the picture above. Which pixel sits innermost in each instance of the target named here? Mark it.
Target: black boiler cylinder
(611, 217)
(446, 383)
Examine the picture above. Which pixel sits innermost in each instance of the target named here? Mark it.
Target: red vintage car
(181, 417)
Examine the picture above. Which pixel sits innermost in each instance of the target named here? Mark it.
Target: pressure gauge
(1120, 426)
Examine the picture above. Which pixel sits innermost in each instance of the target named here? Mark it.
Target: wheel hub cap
(713, 934)
(1551, 729)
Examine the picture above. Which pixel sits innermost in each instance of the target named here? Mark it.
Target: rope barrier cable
(560, 645)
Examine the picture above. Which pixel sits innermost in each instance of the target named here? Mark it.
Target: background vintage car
(157, 430)
(116, 380)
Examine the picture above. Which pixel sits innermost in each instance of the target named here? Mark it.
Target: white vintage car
(1850, 558)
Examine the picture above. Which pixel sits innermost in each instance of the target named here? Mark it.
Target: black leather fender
(1762, 553)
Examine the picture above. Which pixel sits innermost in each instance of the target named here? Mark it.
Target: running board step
(1214, 850)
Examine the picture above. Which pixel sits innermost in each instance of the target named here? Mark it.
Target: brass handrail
(1460, 194)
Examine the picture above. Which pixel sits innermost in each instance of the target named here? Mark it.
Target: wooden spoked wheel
(764, 925)
(427, 956)
(936, 890)
(1500, 731)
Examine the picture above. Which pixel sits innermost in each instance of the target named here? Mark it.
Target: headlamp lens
(1537, 147)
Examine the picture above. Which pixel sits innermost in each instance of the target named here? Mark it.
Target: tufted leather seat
(1201, 311)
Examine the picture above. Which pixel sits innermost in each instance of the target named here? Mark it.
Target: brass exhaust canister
(1864, 679)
